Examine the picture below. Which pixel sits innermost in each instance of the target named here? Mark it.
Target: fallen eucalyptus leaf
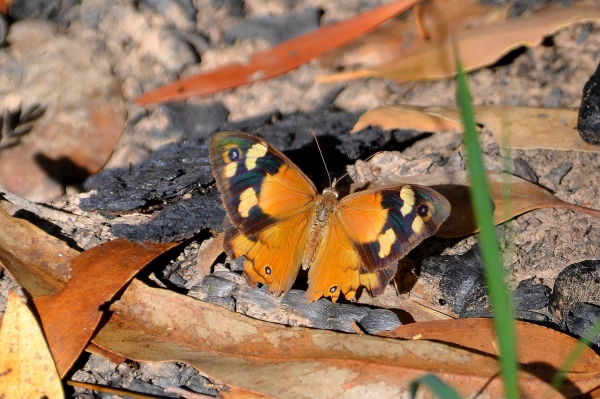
(513, 127)
(276, 60)
(428, 21)
(478, 46)
(37, 261)
(26, 366)
(70, 316)
(291, 362)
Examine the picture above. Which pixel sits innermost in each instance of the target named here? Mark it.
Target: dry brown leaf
(533, 341)
(483, 46)
(390, 117)
(479, 46)
(512, 196)
(26, 366)
(401, 36)
(239, 393)
(209, 251)
(513, 127)
(112, 357)
(38, 262)
(84, 112)
(71, 316)
(278, 59)
(291, 362)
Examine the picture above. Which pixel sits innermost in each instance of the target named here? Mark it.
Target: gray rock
(588, 123)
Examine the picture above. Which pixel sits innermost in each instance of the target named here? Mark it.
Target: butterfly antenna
(323, 158)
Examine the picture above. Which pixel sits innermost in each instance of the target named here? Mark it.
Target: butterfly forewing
(385, 224)
(259, 185)
(269, 203)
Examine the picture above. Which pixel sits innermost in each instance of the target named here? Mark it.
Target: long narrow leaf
(490, 251)
(276, 60)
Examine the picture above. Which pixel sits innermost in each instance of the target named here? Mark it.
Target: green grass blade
(435, 385)
(490, 250)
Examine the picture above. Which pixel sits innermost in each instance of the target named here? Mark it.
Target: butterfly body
(278, 221)
(325, 206)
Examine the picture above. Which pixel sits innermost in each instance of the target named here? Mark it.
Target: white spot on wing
(418, 225)
(407, 195)
(247, 200)
(255, 152)
(385, 243)
(230, 169)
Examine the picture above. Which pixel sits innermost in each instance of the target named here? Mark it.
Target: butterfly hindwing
(269, 204)
(385, 224)
(259, 185)
(337, 268)
(273, 256)
(366, 236)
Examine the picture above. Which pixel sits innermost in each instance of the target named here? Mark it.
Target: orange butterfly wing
(368, 233)
(269, 203)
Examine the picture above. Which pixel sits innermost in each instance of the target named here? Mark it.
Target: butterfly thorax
(325, 208)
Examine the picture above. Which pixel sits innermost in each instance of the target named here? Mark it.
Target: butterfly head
(330, 191)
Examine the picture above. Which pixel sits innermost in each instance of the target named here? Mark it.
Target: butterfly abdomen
(325, 206)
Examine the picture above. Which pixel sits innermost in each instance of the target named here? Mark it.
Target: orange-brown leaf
(294, 362)
(209, 251)
(533, 341)
(276, 60)
(38, 262)
(70, 316)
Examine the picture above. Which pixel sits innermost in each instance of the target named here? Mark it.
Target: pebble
(588, 124)
(578, 282)
(33, 9)
(581, 318)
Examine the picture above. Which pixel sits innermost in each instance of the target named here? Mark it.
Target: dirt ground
(144, 44)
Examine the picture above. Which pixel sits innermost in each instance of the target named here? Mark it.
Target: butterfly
(279, 222)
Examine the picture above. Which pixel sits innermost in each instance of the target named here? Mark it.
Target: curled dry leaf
(513, 127)
(26, 366)
(479, 46)
(429, 21)
(292, 362)
(390, 117)
(512, 196)
(71, 316)
(37, 261)
(209, 251)
(276, 60)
